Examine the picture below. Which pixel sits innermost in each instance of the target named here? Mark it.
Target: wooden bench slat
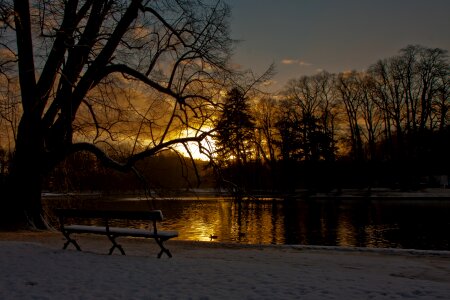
(111, 214)
(85, 229)
(120, 231)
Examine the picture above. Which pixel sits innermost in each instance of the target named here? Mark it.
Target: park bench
(71, 222)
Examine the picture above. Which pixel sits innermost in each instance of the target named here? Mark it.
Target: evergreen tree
(235, 129)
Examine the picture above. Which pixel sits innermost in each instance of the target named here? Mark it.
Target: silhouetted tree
(235, 129)
(371, 115)
(307, 121)
(235, 141)
(92, 73)
(350, 92)
(265, 112)
(390, 90)
(289, 130)
(442, 104)
(410, 91)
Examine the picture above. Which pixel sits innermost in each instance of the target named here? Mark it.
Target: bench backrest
(153, 215)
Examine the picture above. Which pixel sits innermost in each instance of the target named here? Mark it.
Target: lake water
(380, 223)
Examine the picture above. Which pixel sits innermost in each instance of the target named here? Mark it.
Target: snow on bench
(69, 226)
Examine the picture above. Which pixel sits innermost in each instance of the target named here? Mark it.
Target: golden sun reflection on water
(227, 221)
(334, 223)
(206, 223)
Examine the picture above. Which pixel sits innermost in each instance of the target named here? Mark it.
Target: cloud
(304, 63)
(299, 62)
(288, 61)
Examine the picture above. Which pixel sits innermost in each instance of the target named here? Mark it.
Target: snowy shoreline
(374, 193)
(35, 267)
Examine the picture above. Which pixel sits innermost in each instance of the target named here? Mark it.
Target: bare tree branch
(127, 166)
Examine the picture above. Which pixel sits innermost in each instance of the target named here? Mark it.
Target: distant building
(444, 181)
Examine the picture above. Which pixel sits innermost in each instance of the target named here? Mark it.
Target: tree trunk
(23, 201)
(25, 186)
(25, 178)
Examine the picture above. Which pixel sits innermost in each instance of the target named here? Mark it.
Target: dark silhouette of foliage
(235, 129)
(384, 127)
(163, 173)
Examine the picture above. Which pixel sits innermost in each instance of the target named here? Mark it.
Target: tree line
(387, 126)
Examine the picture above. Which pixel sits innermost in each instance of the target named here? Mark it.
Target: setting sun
(200, 152)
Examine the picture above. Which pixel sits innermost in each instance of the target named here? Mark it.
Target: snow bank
(31, 270)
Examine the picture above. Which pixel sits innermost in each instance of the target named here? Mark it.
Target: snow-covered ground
(33, 266)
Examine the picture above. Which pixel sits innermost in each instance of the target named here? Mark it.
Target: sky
(303, 37)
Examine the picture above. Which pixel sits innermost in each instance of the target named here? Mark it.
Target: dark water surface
(379, 223)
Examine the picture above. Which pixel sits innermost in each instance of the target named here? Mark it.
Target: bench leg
(115, 245)
(70, 241)
(160, 241)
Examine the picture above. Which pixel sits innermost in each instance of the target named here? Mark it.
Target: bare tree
(93, 73)
(411, 93)
(308, 116)
(329, 106)
(350, 92)
(371, 115)
(265, 112)
(431, 67)
(387, 76)
(419, 70)
(441, 106)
